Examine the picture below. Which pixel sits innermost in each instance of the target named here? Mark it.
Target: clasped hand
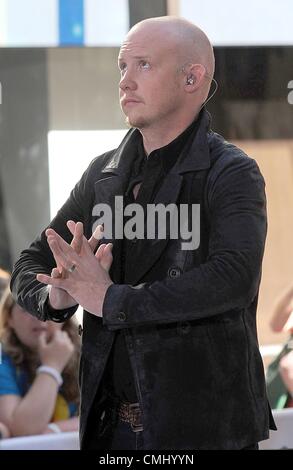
(80, 276)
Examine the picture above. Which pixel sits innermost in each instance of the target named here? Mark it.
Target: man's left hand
(86, 281)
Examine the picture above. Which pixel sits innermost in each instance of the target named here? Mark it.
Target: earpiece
(190, 80)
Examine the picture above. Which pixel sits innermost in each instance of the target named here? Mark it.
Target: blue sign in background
(71, 22)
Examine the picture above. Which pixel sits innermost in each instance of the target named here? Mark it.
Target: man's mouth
(129, 101)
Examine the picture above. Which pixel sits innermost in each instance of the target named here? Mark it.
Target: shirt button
(80, 330)
(174, 272)
(121, 316)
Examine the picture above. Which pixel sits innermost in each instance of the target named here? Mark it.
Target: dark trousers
(124, 438)
(115, 434)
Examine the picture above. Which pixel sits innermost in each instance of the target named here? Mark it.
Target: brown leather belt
(130, 413)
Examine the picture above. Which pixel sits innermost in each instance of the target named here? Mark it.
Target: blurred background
(59, 108)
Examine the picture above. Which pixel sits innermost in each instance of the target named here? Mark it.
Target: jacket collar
(195, 155)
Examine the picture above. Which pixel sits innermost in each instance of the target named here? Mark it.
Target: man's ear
(194, 76)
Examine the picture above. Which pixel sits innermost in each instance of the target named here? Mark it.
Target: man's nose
(127, 81)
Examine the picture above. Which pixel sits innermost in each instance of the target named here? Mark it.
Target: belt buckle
(135, 417)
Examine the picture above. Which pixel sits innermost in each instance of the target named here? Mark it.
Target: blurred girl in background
(39, 372)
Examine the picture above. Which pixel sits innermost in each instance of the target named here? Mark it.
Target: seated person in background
(4, 280)
(286, 371)
(4, 431)
(38, 375)
(282, 320)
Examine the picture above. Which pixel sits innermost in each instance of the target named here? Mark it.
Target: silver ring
(72, 268)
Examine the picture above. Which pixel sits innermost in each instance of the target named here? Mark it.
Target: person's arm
(65, 425)
(230, 277)
(4, 431)
(282, 312)
(30, 414)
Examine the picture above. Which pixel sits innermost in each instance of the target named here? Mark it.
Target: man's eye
(144, 64)
(122, 67)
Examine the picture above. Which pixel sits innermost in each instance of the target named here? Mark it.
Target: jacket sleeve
(38, 258)
(229, 279)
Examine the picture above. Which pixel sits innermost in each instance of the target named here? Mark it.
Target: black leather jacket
(189, 316)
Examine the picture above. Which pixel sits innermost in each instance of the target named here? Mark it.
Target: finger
(107, 258)
(71, 226)
(84, 245)
(50, 281)
(77, 240)
(55, 273)
(104, 255)
(100, 251)
(109, 247)
(59, 258)
(52, 235)
(98, 232)
(94, 240)
(96, 237)
(63, 253)
(49, 233)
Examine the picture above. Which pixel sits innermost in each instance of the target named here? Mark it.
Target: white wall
(253, 22)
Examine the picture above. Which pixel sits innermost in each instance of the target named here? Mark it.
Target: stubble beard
(139, 123)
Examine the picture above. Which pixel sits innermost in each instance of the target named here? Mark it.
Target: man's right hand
(59, 299)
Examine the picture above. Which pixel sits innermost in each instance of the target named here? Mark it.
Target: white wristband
(51, 371)
(54, 427)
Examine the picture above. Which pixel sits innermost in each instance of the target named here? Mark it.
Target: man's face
(150, 87)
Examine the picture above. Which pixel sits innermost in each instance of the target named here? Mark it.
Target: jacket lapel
(109, 190)
(112, 184)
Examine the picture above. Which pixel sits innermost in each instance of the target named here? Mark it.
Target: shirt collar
(167, 156)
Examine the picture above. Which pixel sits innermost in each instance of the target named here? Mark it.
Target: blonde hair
(24, 358)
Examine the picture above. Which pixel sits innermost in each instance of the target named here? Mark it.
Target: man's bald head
(190, 42)
(166, 67)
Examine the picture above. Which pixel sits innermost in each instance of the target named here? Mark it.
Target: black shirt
(150, 171)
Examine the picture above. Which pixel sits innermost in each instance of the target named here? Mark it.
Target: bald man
(170, 357)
